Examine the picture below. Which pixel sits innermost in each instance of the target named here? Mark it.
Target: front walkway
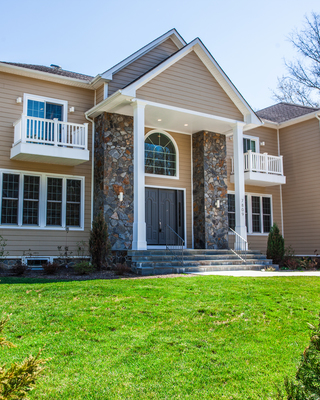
(260, 274)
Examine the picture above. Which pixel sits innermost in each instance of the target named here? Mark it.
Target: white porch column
(139, 225)
(239, 186)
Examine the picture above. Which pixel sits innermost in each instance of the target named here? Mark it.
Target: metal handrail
(243, 244)
(181, 245)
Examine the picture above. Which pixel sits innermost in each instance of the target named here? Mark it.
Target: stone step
(162, 270)
(191, 257)
(189, 251)
(177, 263)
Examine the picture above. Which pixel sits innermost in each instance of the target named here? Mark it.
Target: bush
(19, 379)
(83, 268)
(122, 268)
(275, 245)
(50, 268)
(99, 245)
(19, 269)
(306, 386)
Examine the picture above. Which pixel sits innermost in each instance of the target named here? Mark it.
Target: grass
(181, 338)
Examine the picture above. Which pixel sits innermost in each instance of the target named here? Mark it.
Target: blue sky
(248, 38)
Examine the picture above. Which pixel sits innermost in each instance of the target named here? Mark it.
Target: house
(164, 144)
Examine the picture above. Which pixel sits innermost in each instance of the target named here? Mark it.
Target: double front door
(164, 210)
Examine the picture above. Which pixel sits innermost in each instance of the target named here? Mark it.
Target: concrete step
(188, 251)
(190, 257)
(200, 263)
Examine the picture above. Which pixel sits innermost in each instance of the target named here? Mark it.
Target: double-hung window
(258, 209)
(251, 143)
(30, 200)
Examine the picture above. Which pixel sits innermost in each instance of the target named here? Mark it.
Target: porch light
(185, 124)
(262, 143)
(159, 120)
(71, 109)
(120, 196)
(19, 100)
(217, 203)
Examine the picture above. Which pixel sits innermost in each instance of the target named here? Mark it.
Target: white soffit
(173, 34)
(213, 67)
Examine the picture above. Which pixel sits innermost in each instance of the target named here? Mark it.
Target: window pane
(73, 202)
(54, 201)
(266, 206)
(31, 200)
(10, 199)
(35, 109)
(231, 211)
(160, 155)
(53, 111)
(253, 145)
(256, 226)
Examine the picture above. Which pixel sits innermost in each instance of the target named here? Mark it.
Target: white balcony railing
(263, 163)
(50, 132)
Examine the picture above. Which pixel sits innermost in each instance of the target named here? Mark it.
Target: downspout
(92, 164)
(281, 203)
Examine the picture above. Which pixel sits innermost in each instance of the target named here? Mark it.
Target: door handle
(160, 226)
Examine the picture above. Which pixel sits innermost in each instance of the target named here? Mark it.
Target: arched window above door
(160, 155)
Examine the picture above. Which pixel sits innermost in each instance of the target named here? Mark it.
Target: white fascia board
(98, 81)
(299, 119)
(175, 36)
(109, 102)
(31, 73)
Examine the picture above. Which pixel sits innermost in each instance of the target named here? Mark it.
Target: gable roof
(283, 112)
(205, 56)
(172, 33)
(50, 70)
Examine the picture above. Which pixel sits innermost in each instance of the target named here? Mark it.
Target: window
(250, 143)
(232, 211)
(258, 213)
(160, 155)
(41, 201)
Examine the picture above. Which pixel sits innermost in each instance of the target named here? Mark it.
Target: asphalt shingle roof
(52, 70)
(282, 112)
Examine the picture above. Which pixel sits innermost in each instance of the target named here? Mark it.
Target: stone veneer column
(113, 173)
(210, 222)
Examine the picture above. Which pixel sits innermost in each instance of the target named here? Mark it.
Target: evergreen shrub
(275, 245)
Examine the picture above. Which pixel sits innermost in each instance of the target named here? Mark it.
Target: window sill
(162, 176)
(41, 228)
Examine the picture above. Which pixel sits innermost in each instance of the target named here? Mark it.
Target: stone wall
(113, 172)
(210, 185)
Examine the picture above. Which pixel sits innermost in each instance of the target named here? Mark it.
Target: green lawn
(177, 338)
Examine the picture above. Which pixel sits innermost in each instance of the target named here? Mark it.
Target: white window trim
(177, 154)
(249, 204)
(254, 139)
(43, 201)
(64, 103)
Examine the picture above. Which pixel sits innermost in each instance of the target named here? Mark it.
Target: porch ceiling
(161, 116)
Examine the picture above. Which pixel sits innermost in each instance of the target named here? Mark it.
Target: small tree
(306, 386)
(99, 241)
(275, 245)
(19, 379)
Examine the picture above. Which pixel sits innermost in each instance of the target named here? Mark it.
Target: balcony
(50, 141)
(261, 169)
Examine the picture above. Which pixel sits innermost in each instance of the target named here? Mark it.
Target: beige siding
(42, 242)
(184, 182)
(139, 67)
(189, 84)
(269, 136)
(100, 94)
(300, 146)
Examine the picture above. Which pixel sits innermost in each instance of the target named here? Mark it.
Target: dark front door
(164, 207)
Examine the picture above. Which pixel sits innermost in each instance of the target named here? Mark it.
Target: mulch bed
(65, 275)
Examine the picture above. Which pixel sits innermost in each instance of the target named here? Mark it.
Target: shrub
(83, 268)
(275, 245)
(122, 268)
(99, 243)
(306, 386)
(19, 379)
(19, 268)
(50, 268)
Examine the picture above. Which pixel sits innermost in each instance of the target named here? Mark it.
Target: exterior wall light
(19, 100)
(217, 203)
(71, 109)
(262, 143)
(120, 196)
